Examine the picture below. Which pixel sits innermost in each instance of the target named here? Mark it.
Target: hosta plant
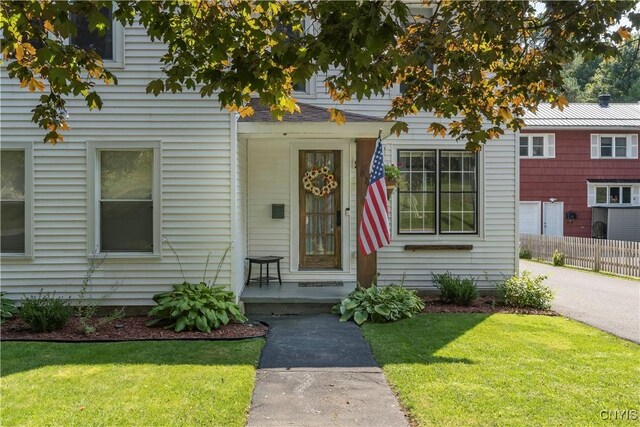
(195, 306)
(374, 304)
(7, 308)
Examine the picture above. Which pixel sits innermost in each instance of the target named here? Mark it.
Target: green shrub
(454, 290)
(525, 253)
(7, 308)
(198, 306)
(376, 304)
(558, 258)
(525, 291)
(45, 313)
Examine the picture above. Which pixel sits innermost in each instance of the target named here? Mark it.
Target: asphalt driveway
(608, 303)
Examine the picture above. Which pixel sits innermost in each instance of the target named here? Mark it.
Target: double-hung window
(301, 88)
(610, 146)
(439, 194)
(15, 206)
(110, 45)
(538, 146)
(126, 205)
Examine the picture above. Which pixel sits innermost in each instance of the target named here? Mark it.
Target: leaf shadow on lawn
(24, 356)
(399, 343)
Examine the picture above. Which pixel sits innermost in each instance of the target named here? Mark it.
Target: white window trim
(310, 87)
(118, 46)
(453, 238)
(598, 146)
(27, 255)
(547, 140)
(93, 192)
(593, 187)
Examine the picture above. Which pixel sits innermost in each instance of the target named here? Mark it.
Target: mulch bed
(484, 304)
(127, 329)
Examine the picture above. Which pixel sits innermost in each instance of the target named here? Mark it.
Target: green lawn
(137, 383)
(504, 369)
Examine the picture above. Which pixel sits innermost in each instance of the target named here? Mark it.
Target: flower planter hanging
(391, 187)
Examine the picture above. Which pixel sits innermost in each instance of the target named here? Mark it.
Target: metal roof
(308, 113)
(585, 115)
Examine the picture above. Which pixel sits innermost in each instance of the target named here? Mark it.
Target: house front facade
(148, 178)
(580, 171)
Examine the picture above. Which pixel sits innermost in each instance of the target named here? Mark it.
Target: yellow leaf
(245, 111)
(19, 52)
(624, 33)
(48, 26)
(562, 102)
(337, 116)
(33, 84)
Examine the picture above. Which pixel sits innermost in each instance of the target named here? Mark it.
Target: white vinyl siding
(537, 146)
(194, 189)
(614, 146)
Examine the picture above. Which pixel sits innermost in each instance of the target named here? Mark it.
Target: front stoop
(289, 298)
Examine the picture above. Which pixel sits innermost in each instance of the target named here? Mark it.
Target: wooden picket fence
(613, 256)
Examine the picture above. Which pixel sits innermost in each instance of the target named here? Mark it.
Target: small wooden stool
(260, 261)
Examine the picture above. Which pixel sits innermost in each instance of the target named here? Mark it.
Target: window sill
(414, 248)
(124, 256)
(113, 64)
(17, 258)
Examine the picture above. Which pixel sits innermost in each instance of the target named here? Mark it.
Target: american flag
(374, 227)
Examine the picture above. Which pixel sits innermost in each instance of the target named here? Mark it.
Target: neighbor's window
(609, 146)
(537, 146)
(613, 195)
(126, 200)
(12, 201)
(86, 39)
(441, 192)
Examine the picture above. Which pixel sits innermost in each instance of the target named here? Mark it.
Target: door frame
(344, 146)
(561, 204)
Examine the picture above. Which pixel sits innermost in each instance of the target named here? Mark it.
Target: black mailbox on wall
(277, 211)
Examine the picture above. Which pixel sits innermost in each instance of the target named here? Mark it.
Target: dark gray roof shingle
(308, 113)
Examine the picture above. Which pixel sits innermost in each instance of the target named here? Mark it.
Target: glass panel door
(320, 211)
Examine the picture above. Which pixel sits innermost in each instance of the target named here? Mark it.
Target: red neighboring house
(580, 171)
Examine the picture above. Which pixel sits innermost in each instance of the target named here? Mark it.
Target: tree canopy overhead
(492, 61)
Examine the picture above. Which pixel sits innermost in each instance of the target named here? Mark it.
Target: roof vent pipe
(603, 100)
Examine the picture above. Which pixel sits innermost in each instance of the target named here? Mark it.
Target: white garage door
(530, 217)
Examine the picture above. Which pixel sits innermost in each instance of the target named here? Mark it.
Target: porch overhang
(311, 121)
(313, 129)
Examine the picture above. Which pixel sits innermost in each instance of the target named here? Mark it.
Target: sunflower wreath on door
(319, 181)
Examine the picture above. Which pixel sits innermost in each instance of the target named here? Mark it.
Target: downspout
(233, 157)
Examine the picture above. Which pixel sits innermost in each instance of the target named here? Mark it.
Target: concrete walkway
(608, 303)
(317, 371)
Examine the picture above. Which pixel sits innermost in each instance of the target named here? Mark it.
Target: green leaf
(181, 323)
(360, 317)
(382, 309)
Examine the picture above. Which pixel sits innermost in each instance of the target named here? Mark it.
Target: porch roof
(311, 122)
(308, 113)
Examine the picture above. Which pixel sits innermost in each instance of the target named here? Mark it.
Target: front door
(553, 219)
(320, 187)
